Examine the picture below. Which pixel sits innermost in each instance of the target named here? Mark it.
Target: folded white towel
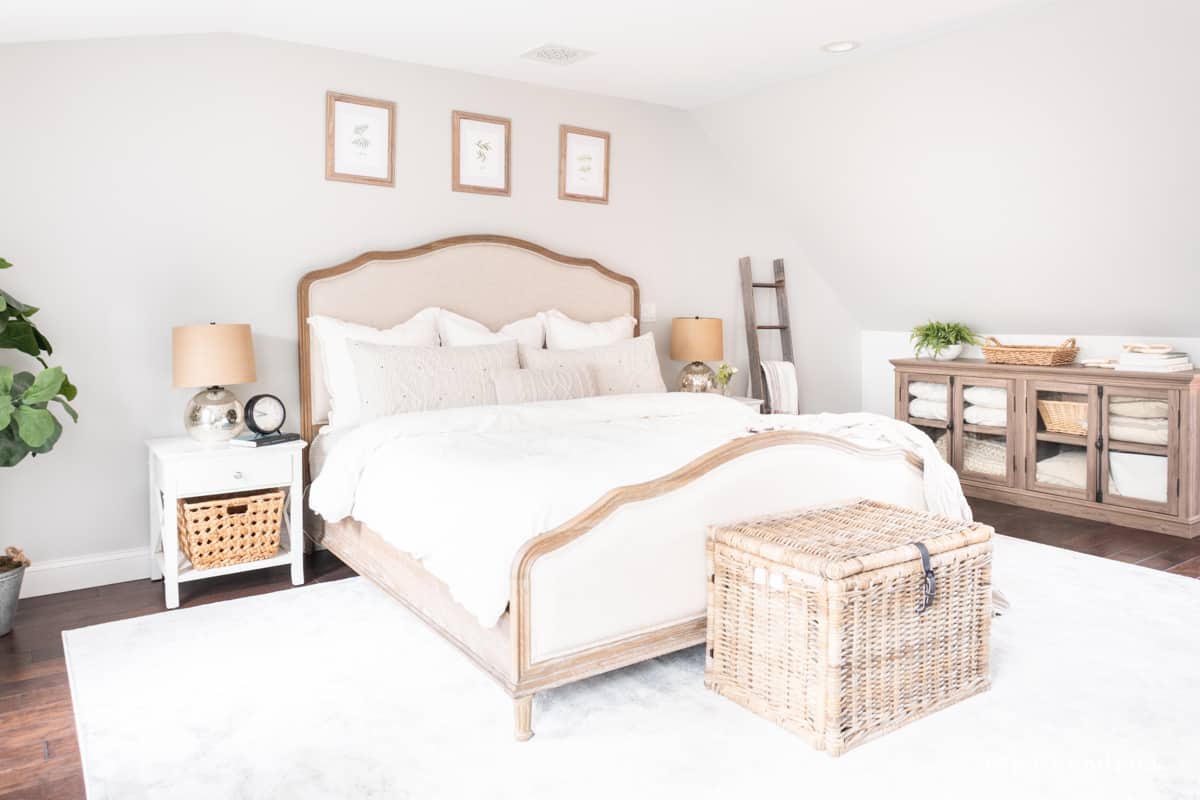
(986, 396)
(981, 415)
(928, 409)
(927, 390)
(1133, 429)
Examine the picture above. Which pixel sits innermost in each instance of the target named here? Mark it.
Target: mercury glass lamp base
(214, 415)
(697, 377)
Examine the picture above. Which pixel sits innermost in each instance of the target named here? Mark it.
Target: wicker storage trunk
(818, 620)
(230, 529)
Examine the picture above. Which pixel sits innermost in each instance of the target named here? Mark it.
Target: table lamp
(696, 339)
(212, 356)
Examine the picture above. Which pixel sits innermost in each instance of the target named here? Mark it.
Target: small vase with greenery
(942, 341)
(27, 426)
(724, 375)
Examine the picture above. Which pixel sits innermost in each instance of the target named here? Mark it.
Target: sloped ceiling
(1040, 175)
(661, 51)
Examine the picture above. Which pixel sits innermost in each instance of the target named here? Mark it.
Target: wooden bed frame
(505, 651)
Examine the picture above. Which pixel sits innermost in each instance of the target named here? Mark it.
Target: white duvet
(463, 489)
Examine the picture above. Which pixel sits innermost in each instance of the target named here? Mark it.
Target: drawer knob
(237, 475)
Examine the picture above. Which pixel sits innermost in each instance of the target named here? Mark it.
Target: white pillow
(986, 396)
(400, 380)
(536, 385)
(925, 390)
(455, 330)
(627, 367)
(564, 333)
(333, 337)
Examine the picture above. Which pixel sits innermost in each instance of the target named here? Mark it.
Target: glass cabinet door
(1139, 448)
(984, 414)
(1062, 422)
(924, 401)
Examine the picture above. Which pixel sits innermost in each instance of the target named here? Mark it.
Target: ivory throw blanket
(463, 489)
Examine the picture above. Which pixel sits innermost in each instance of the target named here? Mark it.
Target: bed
(622, 579)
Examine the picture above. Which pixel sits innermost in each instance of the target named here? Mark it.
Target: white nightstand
(751, 402)
(183, 467)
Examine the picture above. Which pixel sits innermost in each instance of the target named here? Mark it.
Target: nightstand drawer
(231, 473)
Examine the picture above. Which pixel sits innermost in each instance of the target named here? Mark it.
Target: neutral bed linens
(564, 333)
(455, 330)
(463, 489)
(541, 385)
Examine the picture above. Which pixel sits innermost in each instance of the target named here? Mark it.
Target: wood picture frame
(483, 172)
(578, 149)
(343, 148)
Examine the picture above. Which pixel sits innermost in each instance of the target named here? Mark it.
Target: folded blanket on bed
(430, 482)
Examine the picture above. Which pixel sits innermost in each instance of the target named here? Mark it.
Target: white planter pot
(948, 354)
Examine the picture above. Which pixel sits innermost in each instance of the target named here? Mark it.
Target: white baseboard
(83, 572)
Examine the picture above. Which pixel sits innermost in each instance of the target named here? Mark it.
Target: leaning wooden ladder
(752, 326)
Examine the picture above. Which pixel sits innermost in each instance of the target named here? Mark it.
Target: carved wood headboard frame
(493, 279)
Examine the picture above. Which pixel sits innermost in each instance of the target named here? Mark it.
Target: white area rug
(335, 691)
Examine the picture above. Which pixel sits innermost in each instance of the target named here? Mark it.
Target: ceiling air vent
(557, 54)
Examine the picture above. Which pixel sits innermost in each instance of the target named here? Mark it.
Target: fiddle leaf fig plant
(27, 426)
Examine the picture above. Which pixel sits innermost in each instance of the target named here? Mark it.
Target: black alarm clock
(265, 414)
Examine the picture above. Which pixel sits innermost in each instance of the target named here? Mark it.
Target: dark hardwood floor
(39, 756)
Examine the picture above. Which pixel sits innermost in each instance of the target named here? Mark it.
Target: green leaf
(6, 382)
(45, 386)
(68, 389)
(67, 407)
(18, 335)
(48, 445)
(4, 264)
(12, 449)
(6, 410)
(21, 382)
(3, 303)
(35, 426)
(17, 306)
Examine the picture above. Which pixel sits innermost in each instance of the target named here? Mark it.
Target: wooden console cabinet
(1134, 460)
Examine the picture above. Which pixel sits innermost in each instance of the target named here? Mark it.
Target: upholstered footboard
(624, 580)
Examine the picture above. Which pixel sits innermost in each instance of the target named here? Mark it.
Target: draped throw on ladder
(781, 390)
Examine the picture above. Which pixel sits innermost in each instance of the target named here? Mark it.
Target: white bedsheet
(463, 489)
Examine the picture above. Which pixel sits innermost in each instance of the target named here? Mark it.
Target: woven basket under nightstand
(813, 618)
(230, 529)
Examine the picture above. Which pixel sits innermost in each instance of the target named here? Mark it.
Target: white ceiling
(682, 54)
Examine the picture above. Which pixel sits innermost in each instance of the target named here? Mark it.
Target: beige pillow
(536, 385)
(399, 380)
(627, 367)
(1133, 407)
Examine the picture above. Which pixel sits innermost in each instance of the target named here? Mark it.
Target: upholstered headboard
(492, 279)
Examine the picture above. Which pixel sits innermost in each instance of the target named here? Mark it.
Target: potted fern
(941, 341)
(27, 426)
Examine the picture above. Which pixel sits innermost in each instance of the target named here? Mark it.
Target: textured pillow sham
(537, 385)
(564, 333)
(333, 337)
(400, 380)
(455, 330)
(628, 367)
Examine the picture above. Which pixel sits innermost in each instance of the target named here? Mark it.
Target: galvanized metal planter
(10, 589)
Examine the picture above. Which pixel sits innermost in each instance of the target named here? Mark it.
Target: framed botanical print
(481, 152)
(582, 164)
(359, 139)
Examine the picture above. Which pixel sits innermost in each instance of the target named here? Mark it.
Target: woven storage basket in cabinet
(817, 619)
(1064, 416)
(222, 530)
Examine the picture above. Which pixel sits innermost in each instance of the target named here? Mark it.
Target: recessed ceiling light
(840, 47)
(558, 54)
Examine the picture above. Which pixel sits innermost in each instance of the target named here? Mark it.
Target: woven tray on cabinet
(222, 530)
(815, 620)
(1028, 355)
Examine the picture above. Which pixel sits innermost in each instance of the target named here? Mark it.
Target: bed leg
(523, 717)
